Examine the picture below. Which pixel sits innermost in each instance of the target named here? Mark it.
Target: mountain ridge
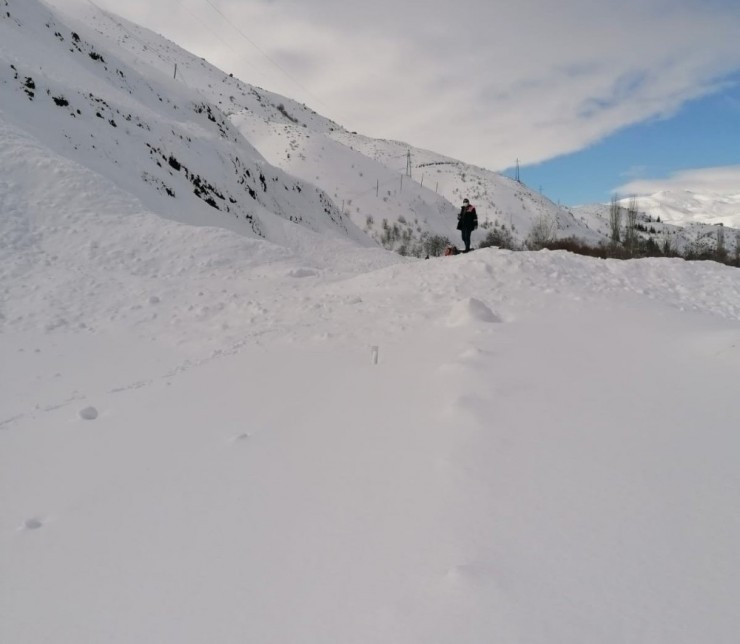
(175, 151)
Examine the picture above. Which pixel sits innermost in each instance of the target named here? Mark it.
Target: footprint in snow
(478, 573)
(89, 413)
(475, 354)
(34, 523)
(470, 311)
(302, 272)
(471, 406)
(470, 358)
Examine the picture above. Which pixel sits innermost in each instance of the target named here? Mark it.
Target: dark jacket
(468, 218)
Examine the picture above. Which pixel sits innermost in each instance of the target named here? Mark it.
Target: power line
(218, 37)
(265, 54)
(224, 42)
(114, 19)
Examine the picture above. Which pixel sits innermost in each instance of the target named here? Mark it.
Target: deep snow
(210, 437)
(544, 452)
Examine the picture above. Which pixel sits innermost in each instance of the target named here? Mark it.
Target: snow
(700, 232)
(209, 435)
(683, 207)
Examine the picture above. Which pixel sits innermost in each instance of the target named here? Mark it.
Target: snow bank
(208, 437)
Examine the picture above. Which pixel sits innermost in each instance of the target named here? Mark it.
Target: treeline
(629, 239)
(640, 247)
(644, 248)
(407, 238)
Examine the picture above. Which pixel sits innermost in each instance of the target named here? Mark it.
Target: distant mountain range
(685, 207)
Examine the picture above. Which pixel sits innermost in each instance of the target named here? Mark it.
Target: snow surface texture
(206, 436)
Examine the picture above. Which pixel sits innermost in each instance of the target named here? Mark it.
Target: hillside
(687, 207)
(100, 91)
(205, 436)
(79, 92)
(195, 144)
(696, 237)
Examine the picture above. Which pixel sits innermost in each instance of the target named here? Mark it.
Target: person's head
(466, 202)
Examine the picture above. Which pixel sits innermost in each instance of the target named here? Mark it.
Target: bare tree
(630, 233)
(668, 249)
(721, 252)
(542, 233)
(615, 219)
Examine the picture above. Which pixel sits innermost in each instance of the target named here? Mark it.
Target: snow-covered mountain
(195, 144)
(697, 236)
(685, 221)
(687, 207)
(80, 90)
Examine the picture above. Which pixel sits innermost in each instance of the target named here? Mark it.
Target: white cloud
(483, 80)
(719, 181)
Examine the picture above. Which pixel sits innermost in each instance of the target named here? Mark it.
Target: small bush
(434, 245)
(499, 237)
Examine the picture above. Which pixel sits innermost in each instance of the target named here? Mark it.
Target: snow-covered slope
(208, 436)
(205, 147)
(499, 199)
(69, 237)
(689, 236)
(397, 192)
(361, 180)
(81, 92)
(687, 207)
(392, 208)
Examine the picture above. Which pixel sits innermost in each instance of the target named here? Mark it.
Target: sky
(588, 98)
(695, 149)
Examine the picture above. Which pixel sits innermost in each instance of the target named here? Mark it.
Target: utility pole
(175, 74)
(408, 163)
(516, 176)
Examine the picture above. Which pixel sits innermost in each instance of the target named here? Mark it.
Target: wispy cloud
(721, 181)
(483, 80)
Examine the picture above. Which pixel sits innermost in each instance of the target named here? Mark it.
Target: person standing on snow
(467, 222)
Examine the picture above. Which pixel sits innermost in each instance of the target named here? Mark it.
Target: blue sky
(703, 134)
